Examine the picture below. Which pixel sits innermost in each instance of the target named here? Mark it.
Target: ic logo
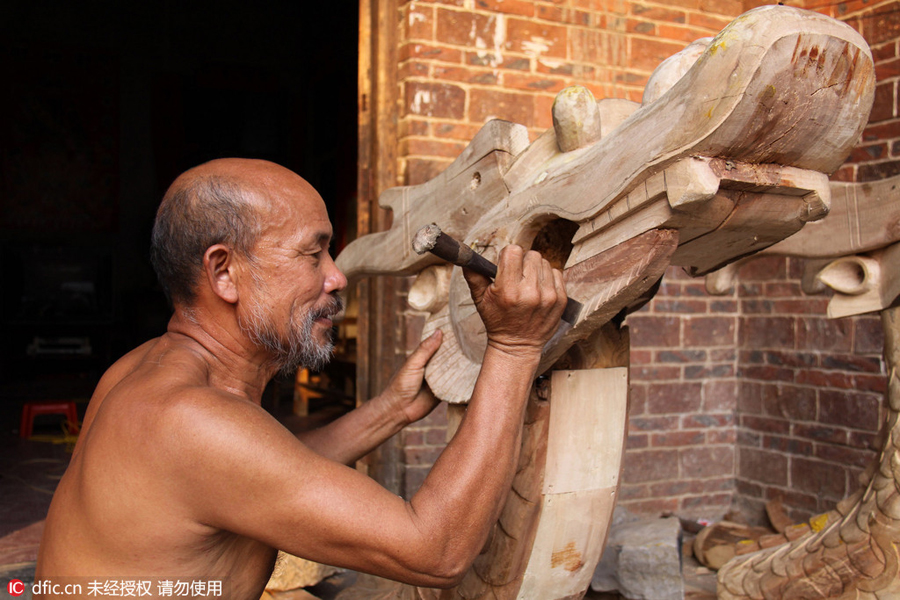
(16, 587)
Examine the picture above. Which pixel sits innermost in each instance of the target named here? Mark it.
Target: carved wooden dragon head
(728, 154)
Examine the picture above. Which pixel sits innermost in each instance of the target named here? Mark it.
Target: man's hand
(521, 309)
(405, 400)
(407, 393)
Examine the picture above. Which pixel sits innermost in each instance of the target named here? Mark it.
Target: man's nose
(335, 281)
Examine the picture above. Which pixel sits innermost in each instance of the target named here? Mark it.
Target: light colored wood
(672, 69)
(814, 111)
(497, 572)
(859, 260)
(862, 283)
(613, 111)
(608, 283)
(588, 412)
(576, 118)
(555, 521)
(587, 418)
(777, 516)
(756, 58)
(570, 541)
(723, 210)
(717, 544)
(863, 217)
(292, 572)
(456, 199)
(429, 292)
(851, 275)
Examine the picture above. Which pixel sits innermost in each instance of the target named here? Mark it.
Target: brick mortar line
(484, 86)
(447, 141)
(816, 445)
(798, 437)
(856, 13)
(627, 37)
(573, 62)
(493, 87)
(568, 80)
(538, 19)
(432, 62)
(585, 28)
(890, 160)
(659, 481)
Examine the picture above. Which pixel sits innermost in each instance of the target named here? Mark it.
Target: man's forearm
(355, 434)
(463, 494)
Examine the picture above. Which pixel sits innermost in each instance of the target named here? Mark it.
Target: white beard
(301, 348)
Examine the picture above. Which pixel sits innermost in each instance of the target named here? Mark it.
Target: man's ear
(220, 269)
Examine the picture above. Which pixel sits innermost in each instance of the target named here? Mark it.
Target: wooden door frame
(379, 349)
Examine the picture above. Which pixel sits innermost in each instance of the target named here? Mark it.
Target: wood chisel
(430, 238)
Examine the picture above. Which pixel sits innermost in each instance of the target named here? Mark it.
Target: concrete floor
(30, 471)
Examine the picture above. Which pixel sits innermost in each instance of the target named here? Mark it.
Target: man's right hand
(521, 309)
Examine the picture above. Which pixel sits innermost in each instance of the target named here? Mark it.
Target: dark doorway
(104, 104)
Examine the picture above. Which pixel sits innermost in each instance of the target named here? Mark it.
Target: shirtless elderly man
(179, 474)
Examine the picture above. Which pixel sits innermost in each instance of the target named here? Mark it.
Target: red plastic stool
(32, 409)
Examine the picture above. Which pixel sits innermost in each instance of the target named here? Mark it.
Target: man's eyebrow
(322, 239)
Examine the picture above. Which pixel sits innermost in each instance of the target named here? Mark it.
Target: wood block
(570, 539)
(292, 572)
(588, 414)
(777, 516)
(725, 534)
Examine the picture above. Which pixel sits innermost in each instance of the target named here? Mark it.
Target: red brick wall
(749, 397)
(878, 154)
(736, 399)
(680, 451)
(810, 393)
(465, 61)
(759, 381)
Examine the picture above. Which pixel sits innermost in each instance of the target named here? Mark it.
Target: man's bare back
(180, 475)
(119, 499)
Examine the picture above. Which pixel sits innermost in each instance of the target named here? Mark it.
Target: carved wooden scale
(728, 154)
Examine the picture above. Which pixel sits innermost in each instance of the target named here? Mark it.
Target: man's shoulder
(204, 411)
(190, 398)
(167, 386)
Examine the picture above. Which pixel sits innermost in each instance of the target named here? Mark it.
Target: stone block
(292, 573)
(642, 559)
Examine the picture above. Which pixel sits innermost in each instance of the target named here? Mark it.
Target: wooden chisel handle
(431, 239)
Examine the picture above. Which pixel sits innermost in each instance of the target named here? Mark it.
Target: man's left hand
(407, 392)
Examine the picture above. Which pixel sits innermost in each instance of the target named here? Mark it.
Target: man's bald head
(218, 202)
